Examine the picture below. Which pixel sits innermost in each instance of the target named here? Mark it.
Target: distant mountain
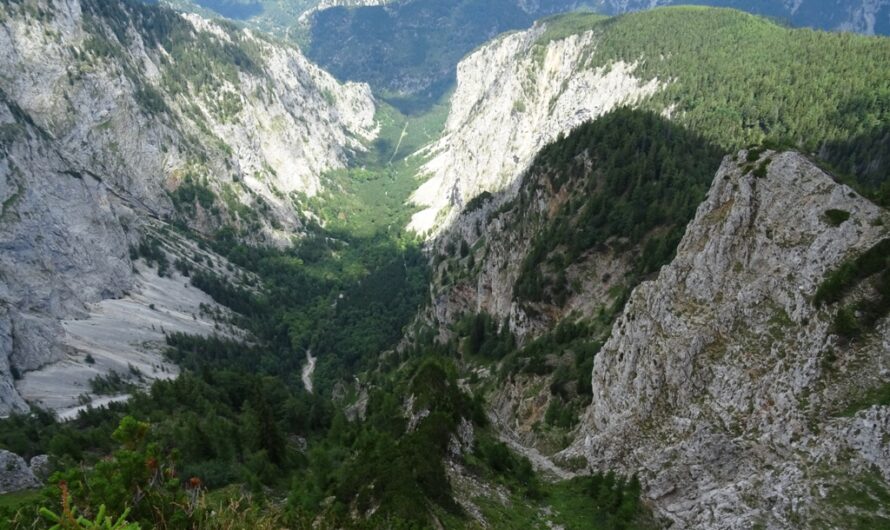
(284, 19)
(407, 51)
(861, 16)
(736, 78)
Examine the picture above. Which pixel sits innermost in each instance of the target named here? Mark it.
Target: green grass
(11, 201)
(842, 280)
(18, 499)
(519, 513)
(370, 196)
(569, 504)
(857, 502)
(836, 217)
(876, 396)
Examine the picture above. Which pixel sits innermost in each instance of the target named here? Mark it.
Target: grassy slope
(370, 196)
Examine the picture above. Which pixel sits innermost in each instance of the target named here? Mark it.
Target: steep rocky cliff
(116, 118)
(550, 261)
(569, 237)
(152, 99)
(745, 383)
(513, 97)
(733, 383)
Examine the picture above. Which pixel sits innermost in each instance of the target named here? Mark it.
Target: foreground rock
(15, 475)
(40, 467)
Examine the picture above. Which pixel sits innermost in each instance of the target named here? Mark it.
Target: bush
(837, 283)
(836, 217)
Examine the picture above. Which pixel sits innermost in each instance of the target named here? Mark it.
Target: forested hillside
(736, 79)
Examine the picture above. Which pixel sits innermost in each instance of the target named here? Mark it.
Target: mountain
(521, 91)
(859, 16)
(732, 383)
(573, 260)
(121, 121)
(632, 273)
(407, 50)
(283, 19)
(735, 381)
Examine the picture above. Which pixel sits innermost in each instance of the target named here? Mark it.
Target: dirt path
(541, 463)
(308, 370)
(71, 413)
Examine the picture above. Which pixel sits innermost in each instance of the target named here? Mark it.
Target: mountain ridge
(676, 374)
(220, 141)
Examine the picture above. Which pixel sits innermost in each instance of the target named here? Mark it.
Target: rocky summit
(721, 382)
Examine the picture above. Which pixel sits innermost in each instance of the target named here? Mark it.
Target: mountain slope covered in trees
(734, 78)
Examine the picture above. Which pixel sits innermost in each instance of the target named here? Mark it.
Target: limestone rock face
(514, 96)
(63, 245)
(112, 115)
(723, 384)
(15, 475)
(255, 123)
(500, 234)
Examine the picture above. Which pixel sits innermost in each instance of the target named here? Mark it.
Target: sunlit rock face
(514, 96)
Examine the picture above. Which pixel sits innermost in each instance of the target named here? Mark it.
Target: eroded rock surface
(514, 96)
(15, 475)
(723, 384)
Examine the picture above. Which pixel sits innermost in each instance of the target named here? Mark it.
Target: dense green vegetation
(370, 195)
(214, 427)
(860, 314)
(647, 178)
(739, 79)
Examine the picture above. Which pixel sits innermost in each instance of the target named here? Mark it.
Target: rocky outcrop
(514, 96)
(40, 467)
(327, 4)
(500, 235)
(74, 305)
(722, 384)
(15, 475)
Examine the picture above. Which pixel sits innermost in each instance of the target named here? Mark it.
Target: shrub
(836, 217)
